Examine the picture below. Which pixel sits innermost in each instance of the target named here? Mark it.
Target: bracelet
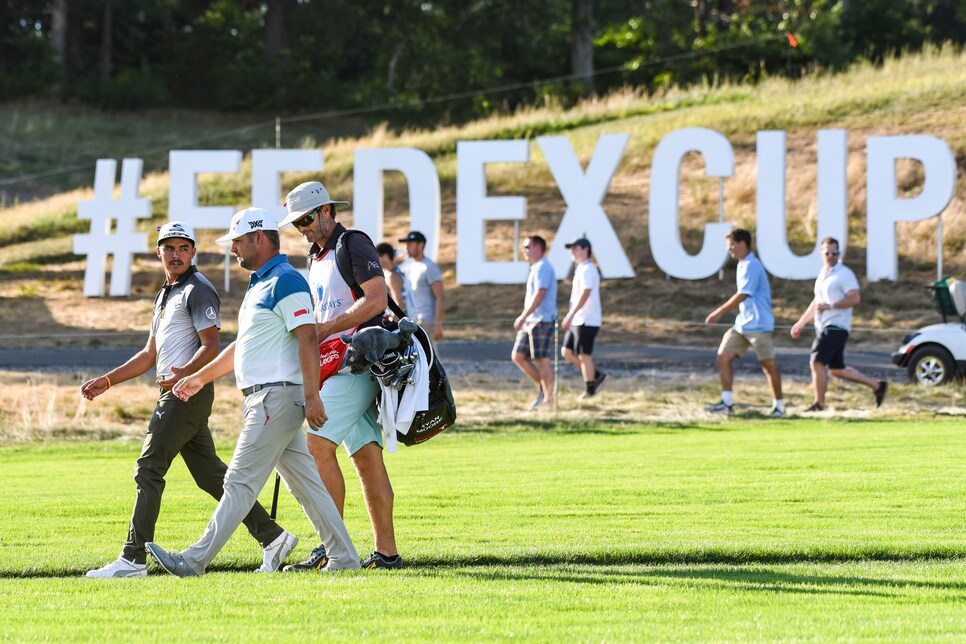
(108, 381)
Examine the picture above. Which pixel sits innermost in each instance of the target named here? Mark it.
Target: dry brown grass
(916, 94)
(42, 408)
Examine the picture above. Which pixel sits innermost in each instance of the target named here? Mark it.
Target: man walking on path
(183, 338)
(753, 326)
(425, 282)
(534, 327)
(836, 294)
(350, 399)
(583, 320)
(276, 363)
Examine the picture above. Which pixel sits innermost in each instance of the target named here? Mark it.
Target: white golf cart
(936, 354)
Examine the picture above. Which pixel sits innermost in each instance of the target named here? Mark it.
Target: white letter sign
(584, 194)
(124, 242)
(885, 208)
(267, 167)
(474, 208)
(424, 194)
(772, 233)
(184, 167)
(663, 220)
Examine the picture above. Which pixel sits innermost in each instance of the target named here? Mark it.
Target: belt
(248, 391)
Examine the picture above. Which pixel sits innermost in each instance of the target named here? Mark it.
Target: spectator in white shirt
(583, 320)
(836, 293)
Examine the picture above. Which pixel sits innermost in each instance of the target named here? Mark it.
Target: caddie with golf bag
(349, 399)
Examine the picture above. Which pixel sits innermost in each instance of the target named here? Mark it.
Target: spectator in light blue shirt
(534, 327)
(753, 326)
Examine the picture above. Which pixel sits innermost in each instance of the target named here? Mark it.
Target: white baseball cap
(247, 221)
(305, 198)
(176, 229)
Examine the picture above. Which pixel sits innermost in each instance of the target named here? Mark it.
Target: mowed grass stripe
(853, 600)
(756, 491)
(628, 533)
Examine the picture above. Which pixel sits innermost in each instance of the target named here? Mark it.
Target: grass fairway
(796, 529)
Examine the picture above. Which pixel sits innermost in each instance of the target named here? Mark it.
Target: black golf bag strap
(344, 265)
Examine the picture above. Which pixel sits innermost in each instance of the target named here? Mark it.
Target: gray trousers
(272, 437)
(181, 427)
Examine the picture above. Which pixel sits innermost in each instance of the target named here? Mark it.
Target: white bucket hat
(305, 198)
(176, 229)
(247, 221)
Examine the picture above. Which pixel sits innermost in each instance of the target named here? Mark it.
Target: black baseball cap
(580, 241)
(414, 236)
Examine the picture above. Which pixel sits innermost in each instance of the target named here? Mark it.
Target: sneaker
(586, 395)
(316, 561)
(880, 392)
(720, 408)
(598, 381)
(172, 562)
(120, 568)
(379, 561)
(276, 552)
(537, 401)
(776, 412)
(815, 407)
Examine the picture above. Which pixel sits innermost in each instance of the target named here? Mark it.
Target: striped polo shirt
(277, 301)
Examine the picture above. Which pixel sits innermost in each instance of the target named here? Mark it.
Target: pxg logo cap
(247, 221)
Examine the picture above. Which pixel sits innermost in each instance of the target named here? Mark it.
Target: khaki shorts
(738, 343)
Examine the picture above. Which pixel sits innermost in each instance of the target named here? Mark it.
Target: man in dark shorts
(534, 327)
(183, 339)
(583, 320)
(836, 293)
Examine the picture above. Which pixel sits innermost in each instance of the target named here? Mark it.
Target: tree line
(298, 56)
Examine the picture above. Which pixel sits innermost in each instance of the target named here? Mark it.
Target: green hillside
(40, 278)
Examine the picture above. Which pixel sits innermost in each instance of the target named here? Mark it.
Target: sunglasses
(832, 253)
(305, 219)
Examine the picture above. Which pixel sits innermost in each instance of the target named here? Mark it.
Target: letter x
(584, 194)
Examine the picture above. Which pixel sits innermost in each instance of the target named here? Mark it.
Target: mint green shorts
(350, 404)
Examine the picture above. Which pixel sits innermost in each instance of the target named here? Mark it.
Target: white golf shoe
(119, 568)
(275, 553)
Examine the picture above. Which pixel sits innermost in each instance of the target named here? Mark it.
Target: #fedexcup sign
(583, 190)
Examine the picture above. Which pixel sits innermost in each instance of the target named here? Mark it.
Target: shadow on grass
(767, 580)
(610, 563)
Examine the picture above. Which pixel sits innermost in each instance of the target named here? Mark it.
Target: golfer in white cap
(183, 338)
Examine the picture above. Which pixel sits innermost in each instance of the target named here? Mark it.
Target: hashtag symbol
(102, 210)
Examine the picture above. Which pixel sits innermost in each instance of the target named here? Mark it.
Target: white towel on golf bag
(396, 412)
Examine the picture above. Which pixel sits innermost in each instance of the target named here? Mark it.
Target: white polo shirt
(277, 301)
(830, 287)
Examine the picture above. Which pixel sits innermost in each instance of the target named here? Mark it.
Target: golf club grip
(274, 512)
